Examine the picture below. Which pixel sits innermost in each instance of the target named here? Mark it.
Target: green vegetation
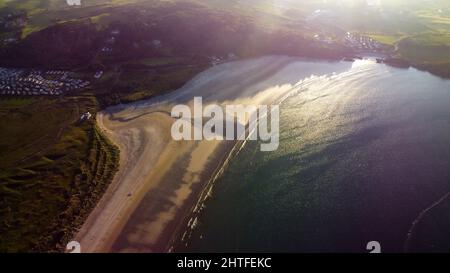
(53, 170)
(144, 86)
(385, 39)
(43, 13)
(426, 48)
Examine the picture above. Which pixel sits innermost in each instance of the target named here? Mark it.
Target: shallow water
(362, 152)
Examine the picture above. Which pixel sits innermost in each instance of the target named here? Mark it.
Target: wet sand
(159, 179)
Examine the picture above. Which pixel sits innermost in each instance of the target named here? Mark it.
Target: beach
(159, 179)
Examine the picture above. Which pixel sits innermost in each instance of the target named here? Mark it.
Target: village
(327, 32)
(362, 43)
(17, 82)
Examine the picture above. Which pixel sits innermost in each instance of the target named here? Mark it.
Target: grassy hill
(53, 170)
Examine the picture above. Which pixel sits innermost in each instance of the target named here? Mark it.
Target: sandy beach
(160, 179)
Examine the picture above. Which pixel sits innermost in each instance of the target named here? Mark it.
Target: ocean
(363, 152)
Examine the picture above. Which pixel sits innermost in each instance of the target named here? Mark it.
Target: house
(85, 116)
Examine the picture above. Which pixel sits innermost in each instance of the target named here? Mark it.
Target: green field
(426, 48)
(43, 13)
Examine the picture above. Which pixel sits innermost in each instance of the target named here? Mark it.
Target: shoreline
(162, 182)
(183, 233)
